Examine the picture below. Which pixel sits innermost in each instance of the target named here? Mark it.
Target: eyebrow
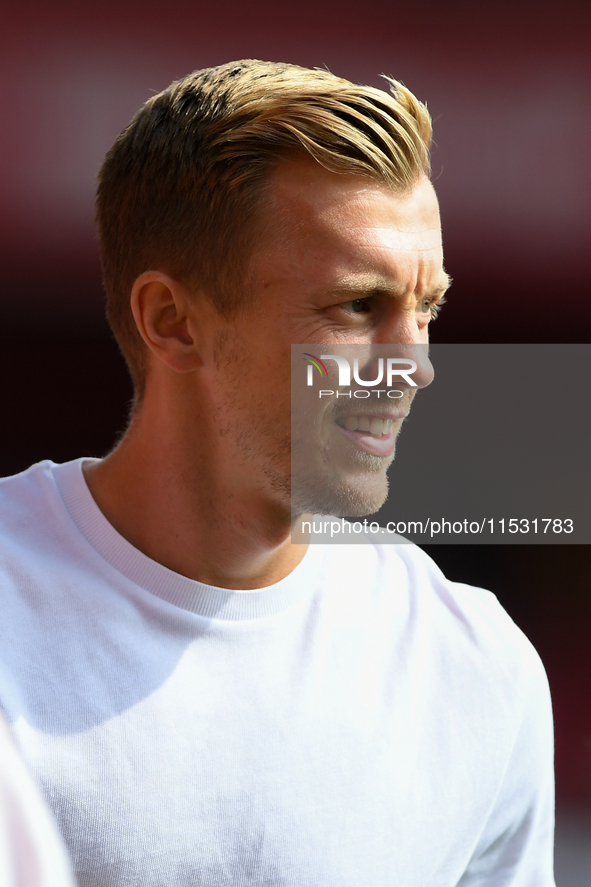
(366, 286)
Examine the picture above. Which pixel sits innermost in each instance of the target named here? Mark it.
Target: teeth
(377, 427)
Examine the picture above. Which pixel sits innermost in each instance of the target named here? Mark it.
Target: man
(205, 702)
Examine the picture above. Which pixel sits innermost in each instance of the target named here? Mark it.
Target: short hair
(180, 188)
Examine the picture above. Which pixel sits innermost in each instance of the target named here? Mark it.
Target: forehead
(337, 226)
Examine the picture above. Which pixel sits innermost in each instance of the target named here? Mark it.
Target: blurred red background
(509, 88)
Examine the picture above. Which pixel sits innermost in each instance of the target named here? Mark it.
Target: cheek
(262, 396)
(423, 337)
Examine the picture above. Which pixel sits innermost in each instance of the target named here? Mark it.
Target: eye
(357, 306)
(431, 306)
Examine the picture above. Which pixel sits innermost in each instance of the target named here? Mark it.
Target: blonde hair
(180, 188)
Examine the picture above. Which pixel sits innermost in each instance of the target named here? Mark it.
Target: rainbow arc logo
(312, 362)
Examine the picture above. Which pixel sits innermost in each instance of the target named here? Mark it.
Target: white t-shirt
(362, 723)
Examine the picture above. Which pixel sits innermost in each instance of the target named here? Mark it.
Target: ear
(161, 308)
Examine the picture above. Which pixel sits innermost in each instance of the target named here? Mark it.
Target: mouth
(373, 425)
(373, 434)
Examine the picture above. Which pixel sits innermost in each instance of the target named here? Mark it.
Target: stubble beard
(318, 488)
(299, 484)
(306, 485)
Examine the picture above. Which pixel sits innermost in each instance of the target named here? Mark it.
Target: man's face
(341, 261)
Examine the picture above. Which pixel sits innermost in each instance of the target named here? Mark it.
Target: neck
(170, 494)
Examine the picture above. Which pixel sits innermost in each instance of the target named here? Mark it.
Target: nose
(398, 337)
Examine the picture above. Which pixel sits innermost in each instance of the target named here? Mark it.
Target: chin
(338, 496)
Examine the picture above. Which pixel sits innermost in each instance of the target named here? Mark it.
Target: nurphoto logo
(401, 367)
(312, 362)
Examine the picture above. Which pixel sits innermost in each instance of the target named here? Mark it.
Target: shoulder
(458, 627)
(24, 498)
(476, 612)
(35, 523)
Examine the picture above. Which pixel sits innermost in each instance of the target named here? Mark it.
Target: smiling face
(341, 261)
(344, 435)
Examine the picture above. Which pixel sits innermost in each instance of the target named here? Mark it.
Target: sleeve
(31, 851)
(516, 847)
